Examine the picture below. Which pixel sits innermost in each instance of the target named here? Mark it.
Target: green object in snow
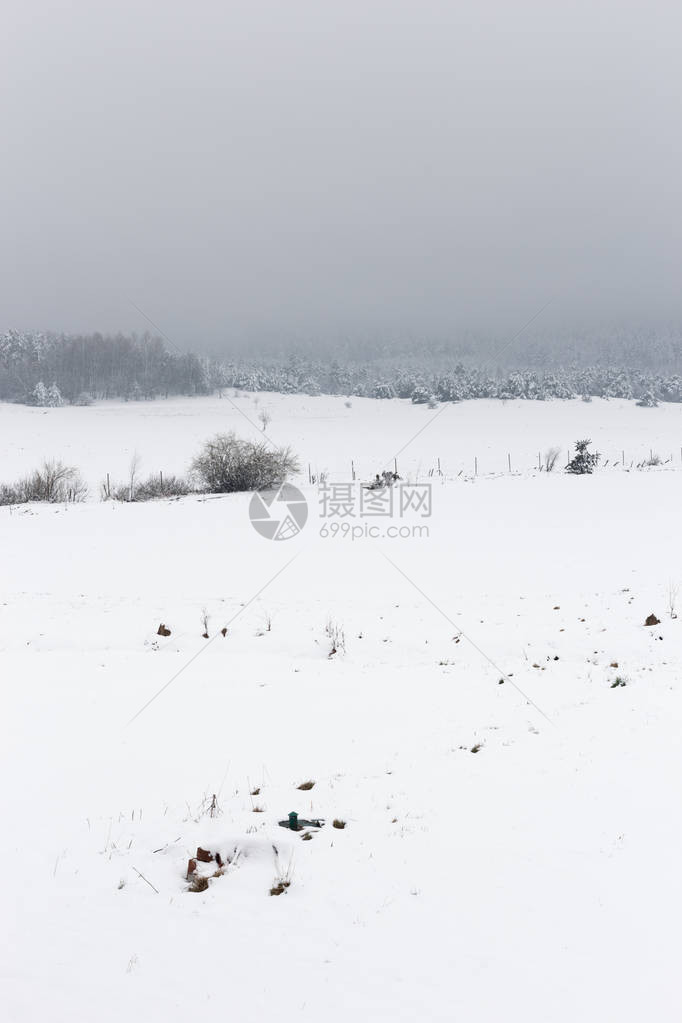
(296, 823)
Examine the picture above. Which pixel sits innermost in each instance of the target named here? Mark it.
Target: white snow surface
(328, 436)
(537, 879)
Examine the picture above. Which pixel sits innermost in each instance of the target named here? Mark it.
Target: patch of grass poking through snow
(336, 823)
(199, 884)
(618, 682)
(336, 636)
(283, 878)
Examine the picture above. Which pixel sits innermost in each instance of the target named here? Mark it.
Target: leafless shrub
(227, 464)
(53, 483)
(156, 486)
(9, 494)
(265, 418)
(162, 486)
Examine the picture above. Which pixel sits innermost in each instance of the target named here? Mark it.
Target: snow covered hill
(498, 729)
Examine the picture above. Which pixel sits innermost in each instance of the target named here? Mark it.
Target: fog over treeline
(326, 175)
(79, 369)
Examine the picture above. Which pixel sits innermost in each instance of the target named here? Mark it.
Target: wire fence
(490, 464)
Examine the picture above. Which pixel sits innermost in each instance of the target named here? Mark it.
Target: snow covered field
(536, 879)
(327, 435)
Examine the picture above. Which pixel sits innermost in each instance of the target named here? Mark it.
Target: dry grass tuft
(306, 786)
(280, 887)
(199, 884)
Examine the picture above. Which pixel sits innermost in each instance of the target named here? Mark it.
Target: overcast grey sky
(338, 167)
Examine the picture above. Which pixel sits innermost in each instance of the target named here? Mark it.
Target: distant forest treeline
(85, 368)
(45, 369)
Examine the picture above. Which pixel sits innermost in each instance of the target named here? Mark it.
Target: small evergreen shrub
(583, 461)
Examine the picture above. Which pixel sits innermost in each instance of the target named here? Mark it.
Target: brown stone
(652, 620)
(191, 868)
(162, 630)
(203, 855)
